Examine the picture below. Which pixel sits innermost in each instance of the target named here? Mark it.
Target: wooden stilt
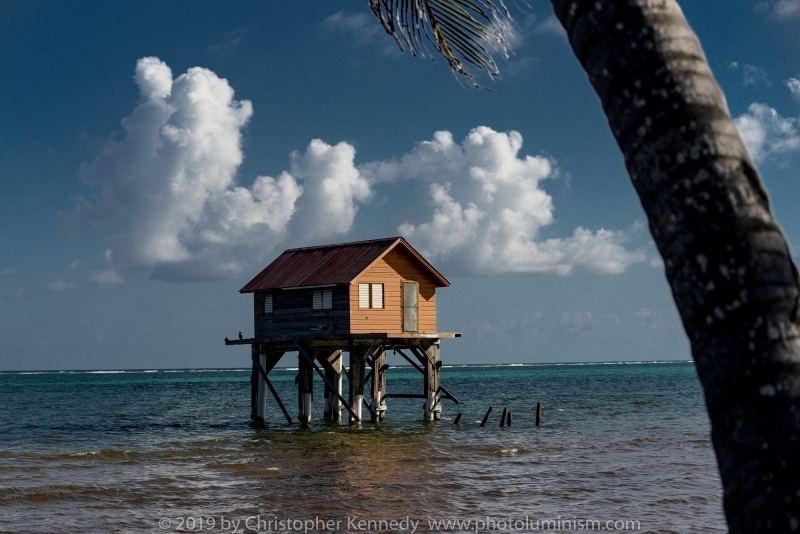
(433, 409)
(333, 375)
(261, 394)
(358, 359)
(538, 414)
(259, 384)
(503, 417)
(310, 361)
(379, 368)
(305, 388)
(254, 377)
(272, 359)
(329, 375)
(324, 357)
(336, 360)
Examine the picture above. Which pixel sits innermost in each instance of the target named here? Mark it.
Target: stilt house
(364, 298)
(380, 286)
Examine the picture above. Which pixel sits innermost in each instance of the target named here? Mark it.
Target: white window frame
(371, 296)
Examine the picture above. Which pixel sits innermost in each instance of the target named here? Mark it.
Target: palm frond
(462, 31)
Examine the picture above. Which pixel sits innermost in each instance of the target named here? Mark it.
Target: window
(377, 295)
(370, 295)
(267, 303)
(322, 299)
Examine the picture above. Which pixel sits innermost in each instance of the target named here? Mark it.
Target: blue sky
(155, 155)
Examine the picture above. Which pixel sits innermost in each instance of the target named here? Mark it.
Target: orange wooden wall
(392, 270)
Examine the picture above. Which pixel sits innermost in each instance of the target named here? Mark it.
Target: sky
(154, 156)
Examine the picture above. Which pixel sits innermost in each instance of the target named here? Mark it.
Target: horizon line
(289, 367)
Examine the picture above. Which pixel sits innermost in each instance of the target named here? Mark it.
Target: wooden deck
(341, 342)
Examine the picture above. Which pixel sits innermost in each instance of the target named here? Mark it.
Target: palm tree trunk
(726, 260)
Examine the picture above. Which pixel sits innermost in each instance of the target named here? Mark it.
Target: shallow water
(117, 452)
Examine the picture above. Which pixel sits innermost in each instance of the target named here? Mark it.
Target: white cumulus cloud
(486, 208)
(333, 186)
(168, 197)
(766, 133)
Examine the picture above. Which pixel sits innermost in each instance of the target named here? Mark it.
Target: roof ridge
(330, 245)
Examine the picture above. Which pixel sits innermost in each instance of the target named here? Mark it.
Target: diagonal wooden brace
(310, 361)
(409, 360)
(271, 388)
(447, 394)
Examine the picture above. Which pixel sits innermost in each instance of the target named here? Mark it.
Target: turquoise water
(121, 451)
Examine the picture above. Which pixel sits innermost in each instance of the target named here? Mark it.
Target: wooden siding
(392, 270)
(292, 314)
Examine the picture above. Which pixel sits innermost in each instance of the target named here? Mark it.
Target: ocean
(622, 447)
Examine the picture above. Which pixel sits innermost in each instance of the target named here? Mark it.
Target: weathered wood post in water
(333, 372)
(379, 367)
(305, 390)
(263, 362)
(538, 413)
(433, 409)
(261, 390)
(357, 367)
(486, 417)
(364, 299)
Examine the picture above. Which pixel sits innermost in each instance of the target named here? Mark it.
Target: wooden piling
(508, 418)
(358, 359)
(261, 393)
(503, 417)
(254, 378)
(486, 417)
(305, 388)
(263, 363)
(330, 376)
(379, 368)
(324, 357)
(433, 409)
(335, 364)
(458, 418)
(538, 414)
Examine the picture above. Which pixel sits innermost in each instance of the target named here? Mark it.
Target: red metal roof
(329, 264)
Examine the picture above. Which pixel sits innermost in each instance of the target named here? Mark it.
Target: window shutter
(327, 299)
(322, 299)
(363, 295)
(268, 303)
(377, 295)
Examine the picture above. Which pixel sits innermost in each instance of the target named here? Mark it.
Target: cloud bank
(487, 209)
(766, 133)
(168, 200)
